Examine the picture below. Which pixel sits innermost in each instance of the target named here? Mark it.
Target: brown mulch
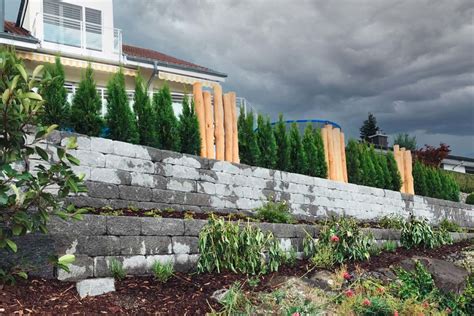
(184, 294)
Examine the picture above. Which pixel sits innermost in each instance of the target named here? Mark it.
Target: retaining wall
(138, 242)
(120, 175)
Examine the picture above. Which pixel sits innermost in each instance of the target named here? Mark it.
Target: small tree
(166, 124)
(283, 146)
(433, 156)
(353, 162)
(144, 114)
(322, 168)
(120, 118)
(369, 173)
(266, 143)
(379, 180)
(56, 107)
(311, 152)
(248, 148)
(86, 105)
(298, 162)
(394, 172)
(189, 129)
(369, 128)
(387, 176)
(404, 140)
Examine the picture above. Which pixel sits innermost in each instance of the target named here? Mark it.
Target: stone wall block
(162, 226)
(135, 193)
(111, 176)
(90, 225)
(102, 190)
(185, 244)
(182, 185)
(193, 227)
(123, 225)
(129, 164)
(102, 145)
(81, 268)
(99, 245)
(90, 158)
(169, 197)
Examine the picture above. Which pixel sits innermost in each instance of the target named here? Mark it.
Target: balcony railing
(79, 34)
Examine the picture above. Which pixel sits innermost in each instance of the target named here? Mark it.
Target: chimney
(2, 16)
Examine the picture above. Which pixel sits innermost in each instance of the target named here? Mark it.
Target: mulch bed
(184, 294)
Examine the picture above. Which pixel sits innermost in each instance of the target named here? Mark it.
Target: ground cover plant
(275, 212)
(162, 271)
(417, 232)
(26, 197)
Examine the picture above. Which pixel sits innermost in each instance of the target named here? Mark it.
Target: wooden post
(199, 107)
(228, 128)
(343, 154)
(235, 132)
(336, 137)
(409, 185)
(209, 125)
(219, 122)
(324, 135)
(332, 168)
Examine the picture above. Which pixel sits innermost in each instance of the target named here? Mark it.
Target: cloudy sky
(411, 63)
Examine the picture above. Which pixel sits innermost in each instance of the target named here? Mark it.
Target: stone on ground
(94, 287)
(325, 280)
(447, 276)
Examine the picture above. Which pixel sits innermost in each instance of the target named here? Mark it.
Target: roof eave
(22, 38)
(177, 66)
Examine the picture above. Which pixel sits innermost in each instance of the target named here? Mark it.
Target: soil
(184, 294)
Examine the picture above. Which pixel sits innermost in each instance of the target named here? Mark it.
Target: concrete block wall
(121, 175)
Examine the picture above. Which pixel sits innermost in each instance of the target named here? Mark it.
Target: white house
(82, 32)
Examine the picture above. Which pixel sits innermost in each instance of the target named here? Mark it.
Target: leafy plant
(266, 143)
(370, 306)
(392, 221)
(29, 186)
(235, 302)
(417, 232)
(116, 269)
(450, 226)
(86, 106)
(166, 124)
(275, 212)
(323, 256)
(163, 271)
(189, 129)
(417, 284)
(432, 156)
(298, 161)
(248, 149)
(470, 199)
(283, 145)
(144, 113)
(390, 246)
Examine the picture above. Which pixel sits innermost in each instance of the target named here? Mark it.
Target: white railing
(78, 34)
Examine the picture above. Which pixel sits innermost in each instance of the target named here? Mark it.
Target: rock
(383, 274)
(219, 295)
(325, 280)
(447, 276)
(94, 287)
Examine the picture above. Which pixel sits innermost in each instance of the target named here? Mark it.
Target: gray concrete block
(134, 193)
(198, 199)
(193, 227)
(185, 262)
(185, 244)
(81, 268)
(169, 197)
(162, 226)
(95, 287)
(124, 225)
(86, 201)
(129, 164)
(99, 245)
(182, 185)
(102, 190)
(102, 145)
(90, 158)
(145, 245)
(91, 225)
(111, 176)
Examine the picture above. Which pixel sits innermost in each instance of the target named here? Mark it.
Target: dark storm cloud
(409, 62)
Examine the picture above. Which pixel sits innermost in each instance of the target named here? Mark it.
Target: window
(93, 29)
(62, 23)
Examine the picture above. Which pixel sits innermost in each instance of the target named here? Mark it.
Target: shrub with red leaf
(433, 156)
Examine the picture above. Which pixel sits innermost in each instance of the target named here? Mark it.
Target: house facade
(83, 32)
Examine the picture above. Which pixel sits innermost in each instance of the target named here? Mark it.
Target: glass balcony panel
(62, 34)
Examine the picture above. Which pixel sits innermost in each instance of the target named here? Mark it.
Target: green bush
(417, 232)
(166, 124)
(163, 271)
(283, 145)
(275, 212)
(189, 129)
(144, 114)
(24, 188)
(120, 119)
(86, 106)
(464, 180)
(116, 269)
(298, 161)
(417, 284)
(391, 221)
(321, 166)
(450, 226)
(248, 148)
(389, 246)
(314, 152)
(470, 199)
(224, 245)
(433, 182)
(266, 143)
(56, 106)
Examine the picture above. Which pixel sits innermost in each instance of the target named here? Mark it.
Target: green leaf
(61, 152)
(72, 143)
(33, 96)
(22, 71)
(17, 229)
(66, 259)
(5, 96)
(51, 128)
(37, 70)
(42, 153)
(73, 159)
(22, 275)
(11, 245)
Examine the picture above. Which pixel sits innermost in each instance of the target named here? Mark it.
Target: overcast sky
(411, 63)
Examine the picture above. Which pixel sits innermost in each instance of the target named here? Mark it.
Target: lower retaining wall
(121, 175)
(138, 242)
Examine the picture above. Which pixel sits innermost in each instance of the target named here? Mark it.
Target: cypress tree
(86, 106)
(298, 163)
(283, 146)
(166, 124)
(369, 127)
(311, 152)
(322, 168)
(387, 176)
(144, 113)
(56, 106)
(266, 143)
(379, 180)
(189, 129)
(353, 162)
(394, 173)
(248, 148)
(120, 118)
(420, 178)
(369, 173)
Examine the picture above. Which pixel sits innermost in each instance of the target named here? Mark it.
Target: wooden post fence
(404, 163)
(217, 123)
(335, 153)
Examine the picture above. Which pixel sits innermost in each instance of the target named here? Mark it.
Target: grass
(163, 271)
(117, 270)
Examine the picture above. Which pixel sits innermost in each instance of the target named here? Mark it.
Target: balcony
(77, 36)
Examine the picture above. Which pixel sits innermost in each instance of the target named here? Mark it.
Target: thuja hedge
(433, 182)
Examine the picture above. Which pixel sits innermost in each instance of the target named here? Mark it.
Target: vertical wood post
(343, 154)
(199, 107)
(209, 125)
(219, 122)
(332, 166)
(336, 137)
(235, 132)
(228, 128)
(409, 185)
(324, 135)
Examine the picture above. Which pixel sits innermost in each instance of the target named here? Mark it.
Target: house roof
(166, 60)
(10, 27)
